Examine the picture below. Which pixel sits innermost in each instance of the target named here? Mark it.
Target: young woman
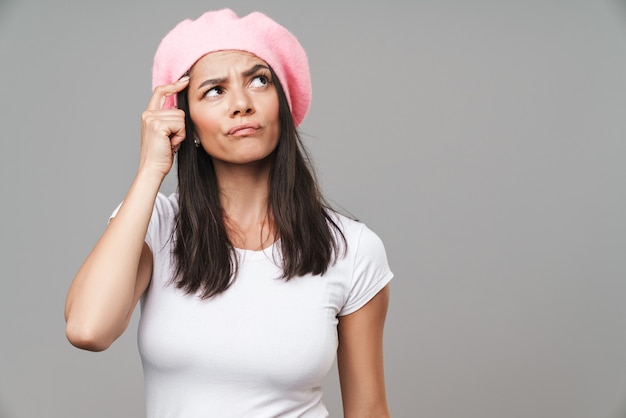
(250, 284)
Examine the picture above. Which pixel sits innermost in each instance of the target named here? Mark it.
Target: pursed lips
(244, 129)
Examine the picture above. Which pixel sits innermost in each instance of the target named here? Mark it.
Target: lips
(244, 129)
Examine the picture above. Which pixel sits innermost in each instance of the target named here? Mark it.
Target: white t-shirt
(262, 347)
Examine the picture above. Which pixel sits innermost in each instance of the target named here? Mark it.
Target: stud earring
(196, 142)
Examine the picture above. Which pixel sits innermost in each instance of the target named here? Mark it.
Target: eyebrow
(221, 80)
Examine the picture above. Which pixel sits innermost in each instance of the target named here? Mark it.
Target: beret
(223, 30)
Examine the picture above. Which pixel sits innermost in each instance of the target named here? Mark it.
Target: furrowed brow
(212, 81)
(254, 69)
(247, 73)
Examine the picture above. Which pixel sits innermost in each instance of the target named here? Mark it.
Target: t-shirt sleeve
(371, 271)
(161, 221)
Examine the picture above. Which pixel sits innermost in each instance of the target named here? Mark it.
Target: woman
(250, 284)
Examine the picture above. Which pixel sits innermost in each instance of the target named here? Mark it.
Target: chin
(246, 159)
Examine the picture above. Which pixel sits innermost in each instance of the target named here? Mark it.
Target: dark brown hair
(206, 260)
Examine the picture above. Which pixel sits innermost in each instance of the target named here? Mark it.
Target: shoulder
(164, 212)
(359, 238)
(166, 206)
(163, 221)
(366, 260)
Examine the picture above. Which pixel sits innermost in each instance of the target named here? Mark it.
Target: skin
(227, 90)
(360, 359)
(231, 89)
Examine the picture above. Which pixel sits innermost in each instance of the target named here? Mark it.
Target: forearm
(102, 295)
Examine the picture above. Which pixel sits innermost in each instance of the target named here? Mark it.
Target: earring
(196, 142)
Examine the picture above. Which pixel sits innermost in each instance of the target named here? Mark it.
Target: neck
(244, 192)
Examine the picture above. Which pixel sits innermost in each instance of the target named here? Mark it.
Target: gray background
(484, 141)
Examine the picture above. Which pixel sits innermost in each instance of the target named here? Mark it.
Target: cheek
(274, 113)
(275, 107)
(204, 122)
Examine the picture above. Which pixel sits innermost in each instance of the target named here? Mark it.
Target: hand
(162, 131)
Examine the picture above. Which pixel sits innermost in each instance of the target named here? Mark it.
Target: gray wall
(484, 141)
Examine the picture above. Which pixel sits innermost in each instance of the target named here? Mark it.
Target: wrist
(150, 175)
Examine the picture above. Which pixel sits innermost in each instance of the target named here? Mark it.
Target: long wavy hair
(206, 260)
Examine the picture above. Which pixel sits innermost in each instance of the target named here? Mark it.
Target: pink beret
(223, 30)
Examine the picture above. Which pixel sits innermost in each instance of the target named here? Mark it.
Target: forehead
(219, 62)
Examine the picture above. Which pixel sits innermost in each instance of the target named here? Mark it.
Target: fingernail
(184, 79)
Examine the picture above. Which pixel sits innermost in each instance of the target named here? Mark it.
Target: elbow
(85, 338)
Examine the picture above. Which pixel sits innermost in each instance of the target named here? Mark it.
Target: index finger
(161, 92)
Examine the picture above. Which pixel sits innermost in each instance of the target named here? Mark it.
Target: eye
(259, 81)
(213, 92)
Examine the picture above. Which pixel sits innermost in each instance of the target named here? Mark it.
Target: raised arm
(360, 359)
(105, 291)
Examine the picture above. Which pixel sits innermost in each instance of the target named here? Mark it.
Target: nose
(241, 104)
